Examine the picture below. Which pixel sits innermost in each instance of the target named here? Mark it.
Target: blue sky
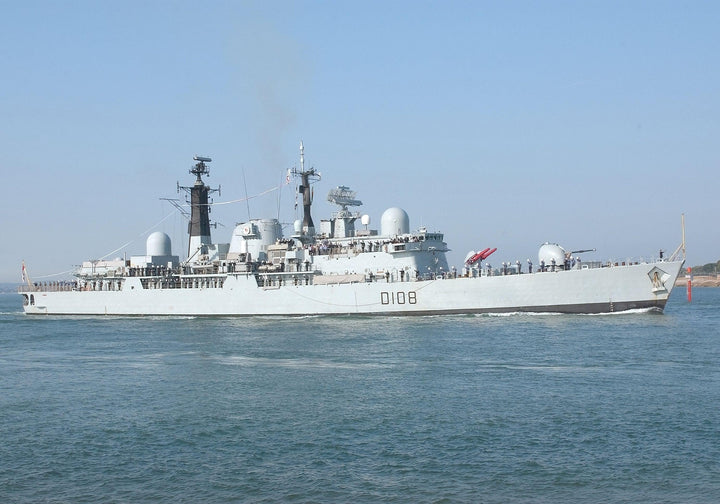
(501, 124)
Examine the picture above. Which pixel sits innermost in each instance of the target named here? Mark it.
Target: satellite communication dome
(158, 244)
(297, 226)
(550, 251)
(365, 220)
(394, 221)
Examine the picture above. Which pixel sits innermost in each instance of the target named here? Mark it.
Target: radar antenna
(200, 168)
(344, 197)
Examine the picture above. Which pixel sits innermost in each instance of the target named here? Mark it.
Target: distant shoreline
(9, 287)
(700, 281)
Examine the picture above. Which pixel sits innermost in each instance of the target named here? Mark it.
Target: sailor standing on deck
(529, 266)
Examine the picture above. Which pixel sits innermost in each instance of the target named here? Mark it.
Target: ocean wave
(303, 363)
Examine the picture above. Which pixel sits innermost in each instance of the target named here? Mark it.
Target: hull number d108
(400, 297)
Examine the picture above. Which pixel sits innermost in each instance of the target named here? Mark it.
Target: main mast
(199, 225)
(308, 226)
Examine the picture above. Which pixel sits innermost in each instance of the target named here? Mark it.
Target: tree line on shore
(707, 269)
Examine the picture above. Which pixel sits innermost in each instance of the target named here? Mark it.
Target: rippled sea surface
(496, 409)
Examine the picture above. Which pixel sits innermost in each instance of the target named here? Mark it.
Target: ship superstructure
(340, 269)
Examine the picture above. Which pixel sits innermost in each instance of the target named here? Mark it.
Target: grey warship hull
(644, 286)
(340, 270)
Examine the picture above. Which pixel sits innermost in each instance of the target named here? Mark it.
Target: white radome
(394, 221)
(158, 244)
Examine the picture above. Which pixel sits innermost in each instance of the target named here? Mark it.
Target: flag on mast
(24, 273)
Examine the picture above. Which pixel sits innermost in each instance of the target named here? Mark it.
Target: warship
(339, 268)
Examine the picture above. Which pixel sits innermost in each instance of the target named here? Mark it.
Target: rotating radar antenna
(343, 197)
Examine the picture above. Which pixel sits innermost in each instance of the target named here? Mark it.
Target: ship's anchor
(656, 281)
(656, 278)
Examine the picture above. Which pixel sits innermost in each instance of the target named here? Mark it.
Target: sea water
(497, 409)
